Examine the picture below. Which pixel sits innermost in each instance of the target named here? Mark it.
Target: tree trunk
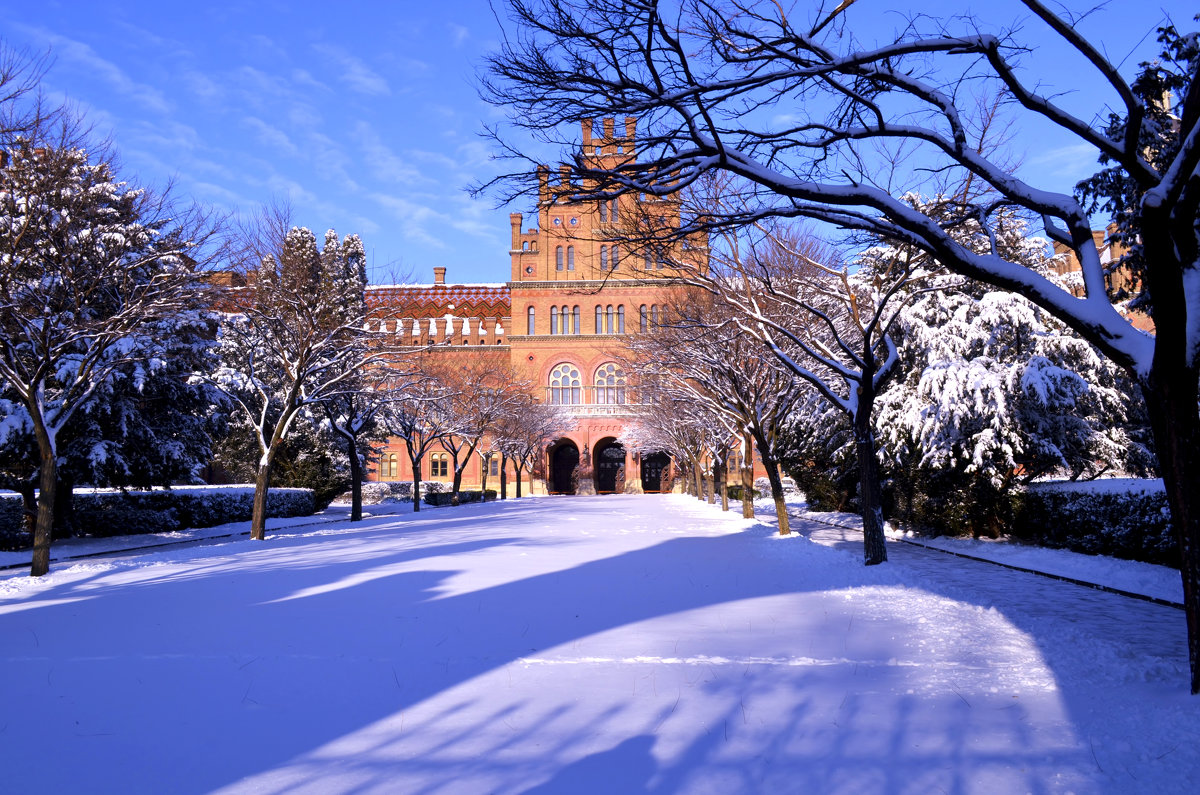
(416, 467)
(355, 480)
(772, 467)
(719, 486)
(1171, 397)
(262, 484)
(483, 479)
(43, 531)
(455, 484)
(698, 478)
(504, 477)
(869, 492)
(747, 477)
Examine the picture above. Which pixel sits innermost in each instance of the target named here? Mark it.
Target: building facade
(576, 292)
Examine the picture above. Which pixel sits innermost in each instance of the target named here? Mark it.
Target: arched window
(649, 263)
(621, 319)
(554, 320)
(608, 319)
(575, 320)
(530, 330)
(616, 257)
(564, 385)
(604, 212)
(603, 256)
(612, 214)
(570, 258)
(389, 466)
(610, 384)
(525, 246)
(654, 315)
(558, 258)
(662, 258)
(599, 319)
(642, 318)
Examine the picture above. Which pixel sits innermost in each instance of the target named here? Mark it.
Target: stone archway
(609, 461)
(654, 472)
(564, 457)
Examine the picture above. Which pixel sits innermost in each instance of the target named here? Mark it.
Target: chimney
(586, 126)
(439, 276)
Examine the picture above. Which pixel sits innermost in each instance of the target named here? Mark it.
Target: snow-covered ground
(614, 644)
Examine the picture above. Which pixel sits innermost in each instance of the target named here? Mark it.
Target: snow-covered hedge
(445, 497)
(382, 493)
(1121, 517)
(101, 513)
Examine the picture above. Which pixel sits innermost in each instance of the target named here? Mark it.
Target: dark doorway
(653, 468)
(564, 457)
(610, 467)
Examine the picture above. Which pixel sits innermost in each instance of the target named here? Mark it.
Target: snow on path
(608, 644)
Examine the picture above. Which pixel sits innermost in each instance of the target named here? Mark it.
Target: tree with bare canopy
(799, 111)
(294, 339)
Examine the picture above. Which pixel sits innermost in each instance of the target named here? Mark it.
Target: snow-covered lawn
(607, 644)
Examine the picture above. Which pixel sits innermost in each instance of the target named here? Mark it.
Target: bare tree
(295, 336)
(523, 432)
(412, 414)
(699, 74)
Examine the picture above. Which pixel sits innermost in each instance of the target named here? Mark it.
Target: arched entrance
(610, 466)
(654, 470)
(564, 457)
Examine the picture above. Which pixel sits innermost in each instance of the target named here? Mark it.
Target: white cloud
(83, 56)
(382, 161)
(271, 136)
(459, 34)
(355, 72)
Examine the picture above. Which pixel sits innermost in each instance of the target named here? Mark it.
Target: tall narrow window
(604, 212)
(603, 256)
(554, 320)
(616, 256)
(558, 258)
(621, 319)
(654, 315)
(649, 263)
(608, 324)
(642, 318)
(530, 330)
(575, 320)
(612, 214)
(662, 258)
(570, 258)
(599, 319)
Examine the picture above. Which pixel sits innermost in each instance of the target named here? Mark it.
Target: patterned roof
(436, 300)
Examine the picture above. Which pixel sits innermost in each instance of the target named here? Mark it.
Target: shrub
(109, 513)
(1121, 517)
(445, 497)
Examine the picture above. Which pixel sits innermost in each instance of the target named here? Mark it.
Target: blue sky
(364, 114)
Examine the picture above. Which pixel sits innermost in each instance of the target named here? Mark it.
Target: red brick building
(574, 295)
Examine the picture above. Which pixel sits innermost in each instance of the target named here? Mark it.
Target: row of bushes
(105, 513)
(1124, 518)
(439, 499)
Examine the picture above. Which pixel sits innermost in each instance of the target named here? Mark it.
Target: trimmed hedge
(1125, 518)
(110, 513)
(392, 491)
(445, 498)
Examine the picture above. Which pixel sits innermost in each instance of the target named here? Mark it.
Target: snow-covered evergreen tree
(89, 268)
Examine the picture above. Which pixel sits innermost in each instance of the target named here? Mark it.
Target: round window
(558, 222)
(574, 221)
